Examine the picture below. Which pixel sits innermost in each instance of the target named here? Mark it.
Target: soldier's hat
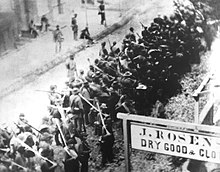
(72, 56)
(21, 115)
(44, 128)
(141, 87)
(52, 87)
(77, 83)
(103, 106)
(154, 51)
(86, 83)
(127, 74)
(71, 116)
(75, 90)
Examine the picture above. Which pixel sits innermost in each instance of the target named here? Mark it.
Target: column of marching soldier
(137, 78)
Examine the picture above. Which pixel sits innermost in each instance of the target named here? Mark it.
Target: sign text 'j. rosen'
(176, 143)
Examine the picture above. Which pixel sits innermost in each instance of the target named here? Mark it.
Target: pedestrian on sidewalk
(102, 13)
(44, 23)
(74, 27)
(58, 38)
(33, 29)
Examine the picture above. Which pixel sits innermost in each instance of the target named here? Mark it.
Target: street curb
(32, 75)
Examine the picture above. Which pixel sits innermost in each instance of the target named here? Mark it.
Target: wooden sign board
(182, 139)
(176, 143)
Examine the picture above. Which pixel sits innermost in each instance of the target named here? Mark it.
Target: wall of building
(20, 13)
(8, 31)
(6, 6)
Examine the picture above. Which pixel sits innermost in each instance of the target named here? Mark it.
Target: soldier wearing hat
(71, 67)
(74, 27)
(58, 38)
(103, 53)
(22, 123)
(86, 93)
(46, 166)
(131, 35)
(54, 96)
(106, 142)
(102, 12)
(76, 106)
(82, 75)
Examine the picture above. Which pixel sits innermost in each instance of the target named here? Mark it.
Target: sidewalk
(16, 67)
(35, 58)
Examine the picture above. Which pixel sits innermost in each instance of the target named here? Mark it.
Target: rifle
(5, 149)
(138, 35)
(34, 151)
(33, 127)
(20, 128)
(103, 123)
(14, 163)
(97, 109)
(109, 44)
(142, 25)
(111, 77)
(49, 92)
(73, 153)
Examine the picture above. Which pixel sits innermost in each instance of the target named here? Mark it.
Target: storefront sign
(177, 143)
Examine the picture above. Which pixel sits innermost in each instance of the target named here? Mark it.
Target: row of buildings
(15, 16)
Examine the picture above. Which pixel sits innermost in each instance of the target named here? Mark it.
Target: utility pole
(120, 8)
(86, 13)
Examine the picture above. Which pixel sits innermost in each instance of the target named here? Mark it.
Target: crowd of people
(137, 78)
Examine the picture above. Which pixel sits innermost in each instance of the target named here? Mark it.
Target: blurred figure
(71, 68)
(102, 13)
(22, 123)
(58, 38)
(44, 24)
(107, 142)
(32, 29)
(74, 27)
(86, 35)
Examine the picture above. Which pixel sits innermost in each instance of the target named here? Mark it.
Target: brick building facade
(15, 16)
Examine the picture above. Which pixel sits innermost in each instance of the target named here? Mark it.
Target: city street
(157, 86)
(34, 103)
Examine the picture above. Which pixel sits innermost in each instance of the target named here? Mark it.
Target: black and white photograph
(109, 85)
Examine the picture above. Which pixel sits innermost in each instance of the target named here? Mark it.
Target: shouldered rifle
(49, 92)
(14, 163)
(97, 109)
(138, 35)
(142, 25)
(71, 153)
(111, 77)
(33, 128)
(34, 151)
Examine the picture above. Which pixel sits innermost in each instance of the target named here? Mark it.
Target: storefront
(8, 32)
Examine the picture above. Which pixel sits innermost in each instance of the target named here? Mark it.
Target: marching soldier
(54, 96)
(103, 53)
(86, 93)
(22, 123)
(107, 142)
(71, 68)
(77, 109)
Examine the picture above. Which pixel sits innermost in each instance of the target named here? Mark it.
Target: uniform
(74, 27)
(102, 13)
(58, 39)
(71, 68)
(77, 109)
